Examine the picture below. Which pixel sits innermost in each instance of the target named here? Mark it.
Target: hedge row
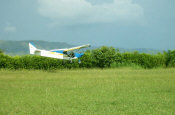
(103, 57)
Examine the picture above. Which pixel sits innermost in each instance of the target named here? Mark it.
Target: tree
(170, 58)
(104, 56)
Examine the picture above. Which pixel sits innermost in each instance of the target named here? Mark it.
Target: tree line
(104, 57)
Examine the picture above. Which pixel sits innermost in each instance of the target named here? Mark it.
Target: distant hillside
(21, 47)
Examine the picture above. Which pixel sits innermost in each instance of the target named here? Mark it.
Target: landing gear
(70, 60)
(79, 61)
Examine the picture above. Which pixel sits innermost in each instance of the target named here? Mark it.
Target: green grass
(87, 92)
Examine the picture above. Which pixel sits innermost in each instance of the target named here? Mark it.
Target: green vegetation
(89, 91)
(71, 88)
(104, 57)
(170, 58)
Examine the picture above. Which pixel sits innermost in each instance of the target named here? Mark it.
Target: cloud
(10, 28)
(82, 11)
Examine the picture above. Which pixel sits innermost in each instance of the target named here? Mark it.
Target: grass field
(87, 92)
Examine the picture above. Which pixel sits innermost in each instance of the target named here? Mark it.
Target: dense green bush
(136, 59)
(170, 58)
(87, 60)
(6, 61)
(103, 57)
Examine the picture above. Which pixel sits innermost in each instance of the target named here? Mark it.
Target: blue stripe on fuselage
(58, 51)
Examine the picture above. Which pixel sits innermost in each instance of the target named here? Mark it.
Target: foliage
(170, 58)
(142, 60)
(103, 57)
(86, 60)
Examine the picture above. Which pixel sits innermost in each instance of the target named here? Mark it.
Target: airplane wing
(78, 47)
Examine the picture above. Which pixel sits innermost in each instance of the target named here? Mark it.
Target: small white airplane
(66, 53)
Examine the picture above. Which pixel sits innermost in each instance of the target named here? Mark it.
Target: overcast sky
(118, 23)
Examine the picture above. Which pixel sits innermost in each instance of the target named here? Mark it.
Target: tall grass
(88, 91)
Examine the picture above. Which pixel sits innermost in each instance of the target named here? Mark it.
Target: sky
(117, 23)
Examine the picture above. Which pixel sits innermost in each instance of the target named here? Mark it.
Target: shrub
(103, 57)
(170, 58)
(6, 61)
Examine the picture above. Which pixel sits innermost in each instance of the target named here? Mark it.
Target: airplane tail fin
(32, 48)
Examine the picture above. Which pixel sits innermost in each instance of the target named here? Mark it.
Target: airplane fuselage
(52, 54)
